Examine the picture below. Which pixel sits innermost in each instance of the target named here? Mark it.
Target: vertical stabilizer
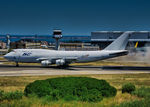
(120, 43)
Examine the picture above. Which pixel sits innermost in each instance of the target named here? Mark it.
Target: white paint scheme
(58, 57)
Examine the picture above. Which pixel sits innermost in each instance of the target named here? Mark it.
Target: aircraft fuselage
(32, 55)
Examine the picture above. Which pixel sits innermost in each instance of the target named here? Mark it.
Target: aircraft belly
(89, 59)
(92, 58)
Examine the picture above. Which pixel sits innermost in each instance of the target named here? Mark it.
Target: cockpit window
(13, 51)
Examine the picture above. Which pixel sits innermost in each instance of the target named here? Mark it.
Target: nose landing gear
(17, 65)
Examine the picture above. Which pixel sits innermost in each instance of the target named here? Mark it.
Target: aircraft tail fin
(120, 43)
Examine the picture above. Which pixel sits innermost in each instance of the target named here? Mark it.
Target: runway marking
(7, 70)
(64, 72)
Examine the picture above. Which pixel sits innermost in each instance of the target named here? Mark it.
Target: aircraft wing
(67, 59)
(71, 58)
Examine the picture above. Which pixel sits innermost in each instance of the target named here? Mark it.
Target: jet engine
(60, 62)
(45, 63)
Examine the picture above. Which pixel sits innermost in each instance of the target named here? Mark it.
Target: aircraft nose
(7, 56)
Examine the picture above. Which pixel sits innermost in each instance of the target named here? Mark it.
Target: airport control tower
(57, 34)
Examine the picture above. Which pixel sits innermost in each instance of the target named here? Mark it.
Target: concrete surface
(10, 70)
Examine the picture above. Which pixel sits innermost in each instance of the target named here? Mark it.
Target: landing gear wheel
(17, 65)
(64, 66)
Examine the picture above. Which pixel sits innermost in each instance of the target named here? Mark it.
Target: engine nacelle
(60, 62)
(45, 63)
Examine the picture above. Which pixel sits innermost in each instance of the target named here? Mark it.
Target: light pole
(8, 41)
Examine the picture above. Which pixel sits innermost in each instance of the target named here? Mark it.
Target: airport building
(78, 46)
(2, 45)
(104, 38)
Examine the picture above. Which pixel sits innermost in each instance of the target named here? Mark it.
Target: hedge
(128, 87)
(71, 88)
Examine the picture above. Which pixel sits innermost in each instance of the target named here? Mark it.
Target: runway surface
(10, 70)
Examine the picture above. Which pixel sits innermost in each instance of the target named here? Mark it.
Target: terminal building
(104, 38)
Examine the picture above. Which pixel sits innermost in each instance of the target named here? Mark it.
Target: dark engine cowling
(45, 63)
(60, 62)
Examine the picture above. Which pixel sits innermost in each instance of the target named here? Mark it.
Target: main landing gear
(63, 66)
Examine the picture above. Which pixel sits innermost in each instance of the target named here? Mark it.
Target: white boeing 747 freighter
(63, 58)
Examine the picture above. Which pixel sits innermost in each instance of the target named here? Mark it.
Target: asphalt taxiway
(37, 70)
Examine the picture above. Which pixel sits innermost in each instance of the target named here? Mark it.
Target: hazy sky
(73, 16)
